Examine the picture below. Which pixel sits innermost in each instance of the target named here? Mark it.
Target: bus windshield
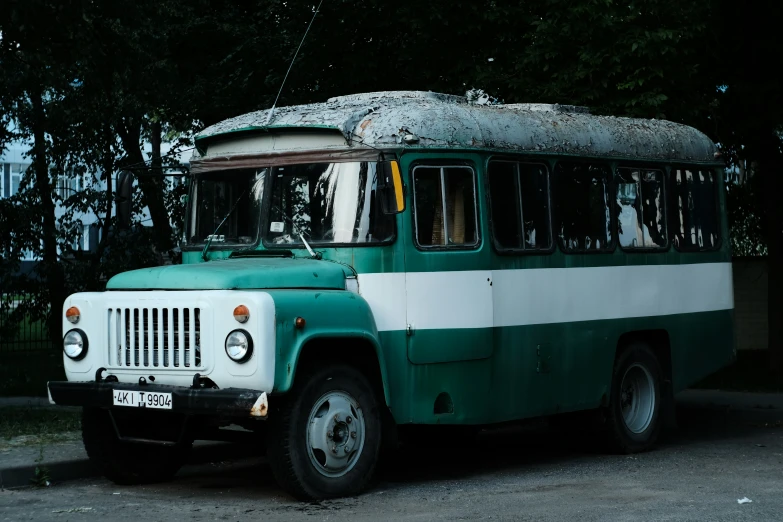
(327, 203)
(237, 194)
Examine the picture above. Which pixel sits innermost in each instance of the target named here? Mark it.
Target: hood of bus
(236, 274)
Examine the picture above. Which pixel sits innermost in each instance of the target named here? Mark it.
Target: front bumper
(230, 402)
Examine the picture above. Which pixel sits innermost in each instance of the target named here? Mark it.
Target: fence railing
(20, 333)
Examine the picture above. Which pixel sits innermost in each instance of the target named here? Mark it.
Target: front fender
(327, 314)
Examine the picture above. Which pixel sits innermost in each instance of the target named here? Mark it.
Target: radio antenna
(290, 66)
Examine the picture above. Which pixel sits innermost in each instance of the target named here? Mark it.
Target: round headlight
(75, 344)
(239, 345)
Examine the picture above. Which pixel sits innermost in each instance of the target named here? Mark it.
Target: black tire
(128, 463)
(288, 454)
(620, 436)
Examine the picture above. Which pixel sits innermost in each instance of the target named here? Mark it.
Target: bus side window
(582, 203)
(694, 208)
(519, 199)
(453, 188)
(641, 215)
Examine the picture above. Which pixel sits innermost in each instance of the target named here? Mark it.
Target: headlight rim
(85, 341)
(249, 352)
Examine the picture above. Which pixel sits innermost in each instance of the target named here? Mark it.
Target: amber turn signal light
(299, 322)
(241, 313)
(73, 315)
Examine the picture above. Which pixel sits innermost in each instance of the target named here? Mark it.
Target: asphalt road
(697, 473)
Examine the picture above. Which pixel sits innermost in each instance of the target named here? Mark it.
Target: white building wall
(13, 164)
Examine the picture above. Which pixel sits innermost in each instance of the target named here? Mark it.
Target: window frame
(520, 251)
(718, 214)
(477, 209)
(665, 186)
(612, 246)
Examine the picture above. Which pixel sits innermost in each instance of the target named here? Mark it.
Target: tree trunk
(108, 173)
(151, 187)
(51, 268)
(770, 166)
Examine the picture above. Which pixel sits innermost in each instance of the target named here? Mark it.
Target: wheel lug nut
(353, 434)
(329, 434)
(334, 449)
(348, 419)
(345, 449)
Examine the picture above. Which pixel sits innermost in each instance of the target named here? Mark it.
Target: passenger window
(519, 197)
(695, 210)
(452, 189)
(641, 217)
(582, 195)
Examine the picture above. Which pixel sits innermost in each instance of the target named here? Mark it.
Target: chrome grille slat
(153, 337)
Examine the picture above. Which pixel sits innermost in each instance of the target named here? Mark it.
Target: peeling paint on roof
(382, 119)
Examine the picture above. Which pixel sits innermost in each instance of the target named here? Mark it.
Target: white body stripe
(440, 300)
(385, 293)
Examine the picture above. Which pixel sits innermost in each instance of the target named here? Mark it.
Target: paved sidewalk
(68, 461)
(731, 400)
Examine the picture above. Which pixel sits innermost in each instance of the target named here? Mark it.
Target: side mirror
(390, 188)
(123, 199)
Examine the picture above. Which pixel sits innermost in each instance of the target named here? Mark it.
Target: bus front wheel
(634, 413)
(325, 434)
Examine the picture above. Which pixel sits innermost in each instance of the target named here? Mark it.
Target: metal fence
(20, 333)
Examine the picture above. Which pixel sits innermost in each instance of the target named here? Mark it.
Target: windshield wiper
(307, 246)
(209, 239)
(313, 253)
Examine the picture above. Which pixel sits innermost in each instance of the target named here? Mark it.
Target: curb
(60, 471)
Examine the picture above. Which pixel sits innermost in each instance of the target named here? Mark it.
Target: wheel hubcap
(335, 434)
(637, 398)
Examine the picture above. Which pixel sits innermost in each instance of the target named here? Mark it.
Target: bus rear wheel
(325, 435)
(634, 413)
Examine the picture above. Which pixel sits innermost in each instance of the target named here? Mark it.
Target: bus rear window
(582, 204)
(519, 196)
(641, 216)
(695, 210)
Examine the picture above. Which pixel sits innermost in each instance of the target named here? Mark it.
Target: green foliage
(26, 373)
(745, 223)
(115, 78)
(41, 475)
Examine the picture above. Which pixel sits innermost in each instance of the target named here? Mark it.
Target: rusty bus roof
(427, 120)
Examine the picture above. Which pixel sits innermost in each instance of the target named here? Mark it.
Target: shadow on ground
(520, 448)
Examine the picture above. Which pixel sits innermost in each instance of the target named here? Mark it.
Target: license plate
(137, 399)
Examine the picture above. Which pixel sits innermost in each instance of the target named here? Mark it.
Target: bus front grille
(155, 337)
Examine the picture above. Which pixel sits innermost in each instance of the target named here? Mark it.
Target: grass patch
(44, 423)
(749, 373)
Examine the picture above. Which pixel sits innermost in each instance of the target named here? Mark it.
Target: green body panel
(546, 369)
(236, 274)
(329, 314)
(491, 374)
(437, 346)
(374, 259)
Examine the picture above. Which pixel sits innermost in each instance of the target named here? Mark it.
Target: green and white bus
(409, 258)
